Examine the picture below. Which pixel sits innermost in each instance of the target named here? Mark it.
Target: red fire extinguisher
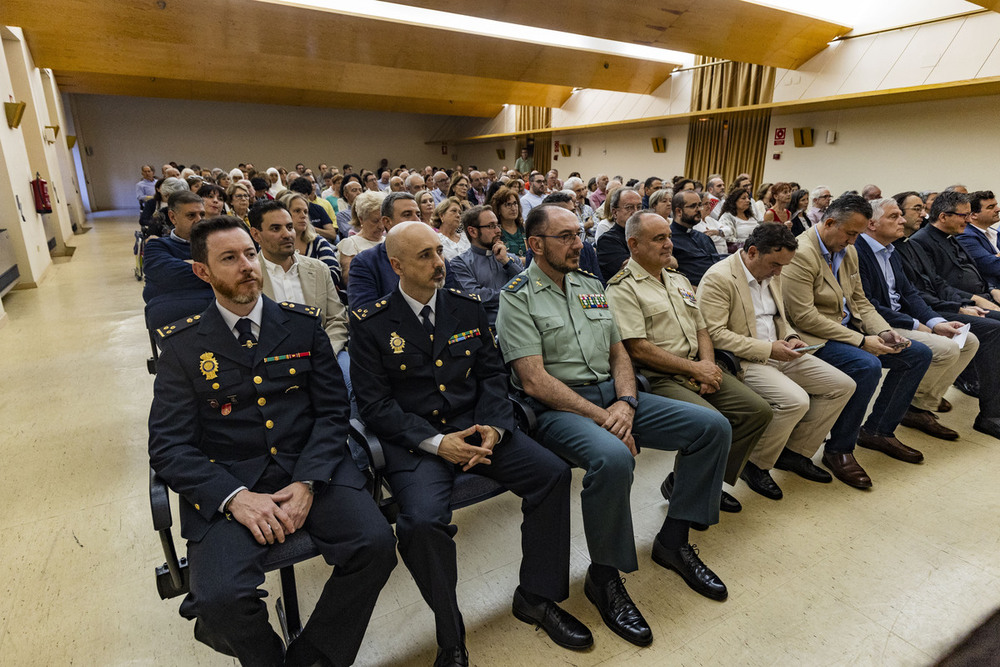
(40, 193)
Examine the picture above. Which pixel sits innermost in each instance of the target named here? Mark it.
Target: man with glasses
(912, 207)
(440, 190)
(559, 335)
(581, 207)
(695, 251)
(486, 266)
(819, 201)
(533, 198)
(612, 249)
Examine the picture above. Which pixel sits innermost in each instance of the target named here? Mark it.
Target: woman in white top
(366, 219)
(738, 214)
(446, 219)
(274, 181)
(764, 201)
(722, 234)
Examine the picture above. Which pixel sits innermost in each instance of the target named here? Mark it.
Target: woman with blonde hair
(307, 241)
(366, 219)
(446, 219)
(425, 205)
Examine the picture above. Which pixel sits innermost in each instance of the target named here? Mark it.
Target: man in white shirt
(289, 277)
(741, 302)
(535, 196)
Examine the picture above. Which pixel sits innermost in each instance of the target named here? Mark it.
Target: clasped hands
(271, 517)
(455, 449)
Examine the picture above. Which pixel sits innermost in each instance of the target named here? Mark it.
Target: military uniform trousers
(426, 534)
(701, 436)
(947, 363)
(806, 396)
(226, 568)
(748, 414)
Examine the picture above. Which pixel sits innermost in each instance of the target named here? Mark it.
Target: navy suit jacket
(221, 413)
(695, 252)
(371, 277)
(979, 249)
(911, 304)
(172, 291)
(410, 388)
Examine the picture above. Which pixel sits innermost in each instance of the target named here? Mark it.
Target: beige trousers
(806, 396)
(946, 365)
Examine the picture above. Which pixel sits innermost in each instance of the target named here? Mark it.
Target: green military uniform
(573, 331)
(667, 315)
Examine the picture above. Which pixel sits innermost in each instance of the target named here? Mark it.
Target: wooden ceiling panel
(105, 84)
(254, 32)
(988, 4)
(733, 29)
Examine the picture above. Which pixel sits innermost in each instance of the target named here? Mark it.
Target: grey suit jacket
(726, 304)
(318, 291)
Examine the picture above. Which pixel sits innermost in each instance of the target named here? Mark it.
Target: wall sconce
(659, 144)
(50, 133)
(566, 150)
(70, 141)
(14, 111)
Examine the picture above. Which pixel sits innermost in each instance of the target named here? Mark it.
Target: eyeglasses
(691, 207)
(566, 238)
(509, 203)
(959, 215)
(493, 226)
(631, 208)
(241, 196)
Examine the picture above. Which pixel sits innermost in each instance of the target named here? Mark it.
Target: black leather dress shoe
(890, 446)
(967, 388)
(696, 574)
(987, 426)
(301, 653)
(562, 627)
(927, 422)
(667, 490)
(452, 656)
(802, 466)
(729, 504)
(760, 481)
(618, 611)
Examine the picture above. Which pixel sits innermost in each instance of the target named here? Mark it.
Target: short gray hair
(171, 185)
(634, 223)
(573, 182)
(662, 193)
(617, 195)
(816, 192)
(391, 199)
(364, 205)
(411, 179)
(879, 206)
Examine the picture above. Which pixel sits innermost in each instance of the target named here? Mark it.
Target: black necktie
(425, 319)
(243, 328)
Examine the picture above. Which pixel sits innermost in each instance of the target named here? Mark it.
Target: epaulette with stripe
(299, 308)
(517, 283)
(588, 273)
(179, 325)
(467, 295)
(618, 277)
(370, 309)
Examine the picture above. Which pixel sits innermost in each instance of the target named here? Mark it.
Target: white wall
(918, 146)
(125, 132)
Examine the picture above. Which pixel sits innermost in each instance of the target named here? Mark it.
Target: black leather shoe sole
(592, 595)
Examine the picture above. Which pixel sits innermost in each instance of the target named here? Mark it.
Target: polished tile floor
(827, 576)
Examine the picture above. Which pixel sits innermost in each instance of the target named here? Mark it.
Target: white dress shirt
(764, 306)
(286, 284)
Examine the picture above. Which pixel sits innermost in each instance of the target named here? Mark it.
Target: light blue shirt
(835, 261)
(882, 254)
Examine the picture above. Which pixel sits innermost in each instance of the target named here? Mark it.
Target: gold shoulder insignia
(618, 277)
(179, 325)
(299, 308)
(472, 296)
(587, 273)
(519, 281)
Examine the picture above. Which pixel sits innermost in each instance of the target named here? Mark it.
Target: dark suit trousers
(426, 534)
(226, 568)
(986, 364)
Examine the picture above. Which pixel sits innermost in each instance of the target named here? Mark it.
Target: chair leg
(288, 608)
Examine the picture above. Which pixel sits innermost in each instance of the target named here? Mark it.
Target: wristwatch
(310, 485)
(630, 401)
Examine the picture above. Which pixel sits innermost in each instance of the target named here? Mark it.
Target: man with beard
(486, 266)
(559, 335)
(694, 251)
(431, 384)
(249, 425)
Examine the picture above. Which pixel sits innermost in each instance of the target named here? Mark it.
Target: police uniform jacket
(222, 412)
(410, 388)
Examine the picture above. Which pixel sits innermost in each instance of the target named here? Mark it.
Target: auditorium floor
(827, 576)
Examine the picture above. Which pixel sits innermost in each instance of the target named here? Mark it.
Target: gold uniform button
(435, 413)
(441, 387)
(443, 420)
(261, 401)
(291, 371)
(402, 367)
(467, 353)
(269, 424)
(197, 507)
(439, 363)
(274, 450)
(257, 379)
(215, 385)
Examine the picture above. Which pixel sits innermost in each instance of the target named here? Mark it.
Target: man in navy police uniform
(249, 426)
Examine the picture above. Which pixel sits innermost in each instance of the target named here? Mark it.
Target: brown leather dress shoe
(944, 406)
(890, 446)
(846, 468)
(928, 423)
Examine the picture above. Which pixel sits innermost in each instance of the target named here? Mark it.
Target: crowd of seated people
(461, 287)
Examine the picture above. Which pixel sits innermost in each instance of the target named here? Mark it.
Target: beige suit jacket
(318, 291)
(814, 298)
(726, 304)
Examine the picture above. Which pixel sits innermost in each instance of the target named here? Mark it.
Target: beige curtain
(728, 144)
(730, 84)
(539, 145)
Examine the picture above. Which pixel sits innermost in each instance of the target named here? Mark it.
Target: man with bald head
(431, 384)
